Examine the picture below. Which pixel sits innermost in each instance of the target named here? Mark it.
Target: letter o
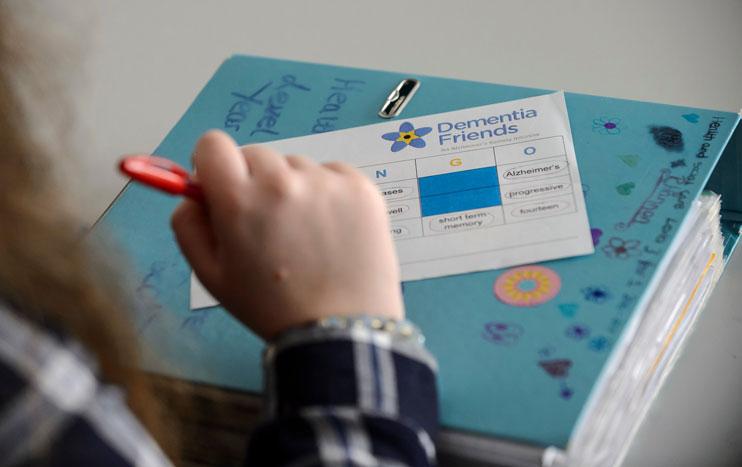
(529, 151)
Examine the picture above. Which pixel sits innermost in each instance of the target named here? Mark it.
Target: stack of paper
(651, 343)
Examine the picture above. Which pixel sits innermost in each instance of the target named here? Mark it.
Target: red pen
(162, 174)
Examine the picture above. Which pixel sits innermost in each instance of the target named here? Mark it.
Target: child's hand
(282, 241)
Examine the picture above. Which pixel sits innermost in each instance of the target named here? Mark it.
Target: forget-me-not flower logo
(407, 136)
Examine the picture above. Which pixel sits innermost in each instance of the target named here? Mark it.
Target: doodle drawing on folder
(470, 190)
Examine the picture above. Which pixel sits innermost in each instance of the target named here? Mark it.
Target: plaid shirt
(345, 397)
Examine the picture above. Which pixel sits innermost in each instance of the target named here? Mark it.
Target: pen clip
(399, 98)
(160, 173)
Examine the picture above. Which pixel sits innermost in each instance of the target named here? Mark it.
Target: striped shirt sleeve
(357, 396)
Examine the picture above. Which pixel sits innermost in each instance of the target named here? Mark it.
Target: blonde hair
(48, 273)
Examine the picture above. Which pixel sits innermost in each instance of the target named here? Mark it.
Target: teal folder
(514, 373)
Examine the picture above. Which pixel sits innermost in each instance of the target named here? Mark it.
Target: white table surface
(148, 59)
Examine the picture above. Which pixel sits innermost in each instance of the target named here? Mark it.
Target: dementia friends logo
(407, 136)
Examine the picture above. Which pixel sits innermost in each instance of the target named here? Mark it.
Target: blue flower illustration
(407, 136)
(578, 332)
(598, 343)
(607, 126)
(596, 294)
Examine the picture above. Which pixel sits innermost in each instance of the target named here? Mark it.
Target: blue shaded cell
(458, 181)
(459, 191)
(460, 201)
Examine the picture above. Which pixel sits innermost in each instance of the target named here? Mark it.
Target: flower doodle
(598, 344)
(577, 332)
(596, 294)
(527, 286)
(502, 333)
(620, 248)
(565, 392)
(607, 126)
(407, 136)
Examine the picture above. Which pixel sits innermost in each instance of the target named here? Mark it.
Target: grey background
(148, 59)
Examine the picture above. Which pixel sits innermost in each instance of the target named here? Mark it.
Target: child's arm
(284, 242)
(347, 394)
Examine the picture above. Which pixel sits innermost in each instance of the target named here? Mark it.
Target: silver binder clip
(399, 98)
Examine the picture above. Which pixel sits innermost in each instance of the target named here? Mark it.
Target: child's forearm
(348, 395)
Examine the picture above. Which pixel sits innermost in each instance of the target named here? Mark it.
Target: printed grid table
(473, 189)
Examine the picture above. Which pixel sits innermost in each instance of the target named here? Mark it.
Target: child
(297, 251)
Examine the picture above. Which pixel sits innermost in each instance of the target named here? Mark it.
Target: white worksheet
(470, 190)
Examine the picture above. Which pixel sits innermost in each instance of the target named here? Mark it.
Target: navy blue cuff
(364, 368)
